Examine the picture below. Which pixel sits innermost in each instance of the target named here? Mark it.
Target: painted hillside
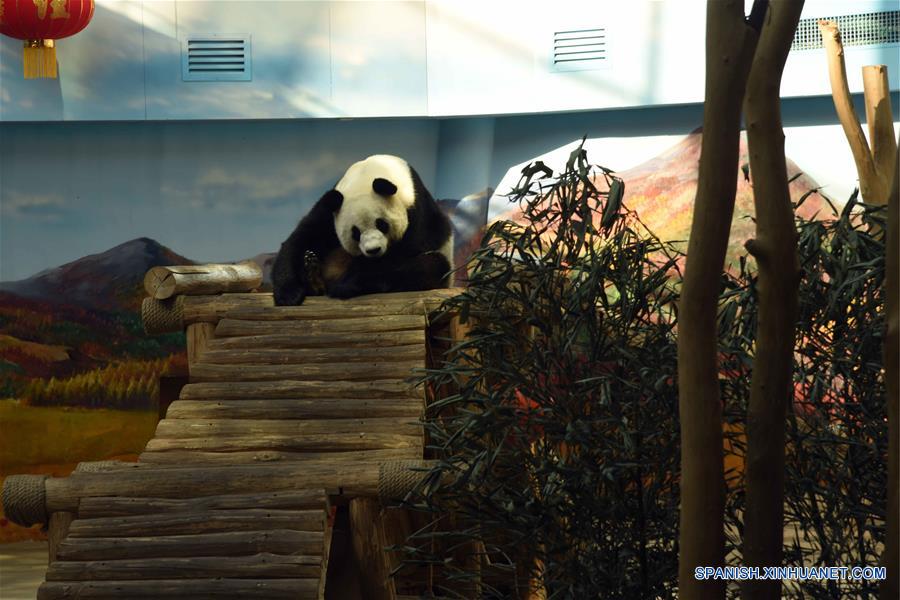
(662, 190)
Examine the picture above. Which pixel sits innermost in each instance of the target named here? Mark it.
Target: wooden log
(331, 341)
(213, 521)
(210, 309)
(326, 555)
(244, 457)
(198, 337)
(202, 428)
(195, 280)
(238, 327)
(275, 408)
(330, 442)
(256, 566)
(383, 388)
(305, 356)
(64, 493)
(57, 530)
(116, 506)
(205, 371)
(237, 543)
(153, 589)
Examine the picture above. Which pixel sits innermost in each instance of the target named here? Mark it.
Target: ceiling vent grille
(216, 57)
(579, 49)
(865, 29)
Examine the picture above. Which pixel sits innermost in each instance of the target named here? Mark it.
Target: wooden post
(890, 588)
(57, 530)
(198, 337)
(368, 546)
(730, 44)
(775, 251)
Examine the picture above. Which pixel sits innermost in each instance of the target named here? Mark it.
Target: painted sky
(210, 191)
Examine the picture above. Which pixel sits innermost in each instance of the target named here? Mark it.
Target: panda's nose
(372, 251)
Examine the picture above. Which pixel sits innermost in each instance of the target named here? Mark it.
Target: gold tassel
(39, 59)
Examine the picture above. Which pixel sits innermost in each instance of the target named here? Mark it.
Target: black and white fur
(378, 230)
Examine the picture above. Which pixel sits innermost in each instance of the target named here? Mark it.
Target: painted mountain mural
(661, 191)
(72, 335)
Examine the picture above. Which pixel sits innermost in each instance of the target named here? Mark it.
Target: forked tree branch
(874, 180)
(730, 44)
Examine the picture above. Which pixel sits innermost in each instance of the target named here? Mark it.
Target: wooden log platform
(286, 408)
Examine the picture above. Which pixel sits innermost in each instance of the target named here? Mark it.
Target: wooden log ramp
(287, 408)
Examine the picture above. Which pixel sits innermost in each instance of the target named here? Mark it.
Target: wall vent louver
(579, 49)
(216, 57)
(865, 29)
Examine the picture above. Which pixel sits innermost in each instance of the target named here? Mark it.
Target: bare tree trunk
(730, 43)
(874, 171)
(890, 588)
(775, 251)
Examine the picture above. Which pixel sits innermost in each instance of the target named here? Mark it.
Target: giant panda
(377, 230)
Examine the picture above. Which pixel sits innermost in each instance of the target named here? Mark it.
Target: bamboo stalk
(256, 566)
(775, 251)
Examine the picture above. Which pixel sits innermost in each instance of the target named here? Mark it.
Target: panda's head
(371, 206)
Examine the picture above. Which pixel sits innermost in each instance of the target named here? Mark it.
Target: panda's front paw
(289, 295)
(348, 286)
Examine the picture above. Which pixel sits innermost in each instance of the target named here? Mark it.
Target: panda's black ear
(332, 200)
(383, 187)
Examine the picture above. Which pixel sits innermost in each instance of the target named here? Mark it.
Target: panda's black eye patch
(355, 233)
(382, 225)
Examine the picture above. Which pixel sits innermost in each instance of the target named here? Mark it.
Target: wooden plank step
(206, 371)
(243, 457)
(312, 327)
(281, 356)
(322, 442)
(212, 521)
(276, 341)
(119, 506)
(381, 388)
(202, 428)
(255, 566)
(295, 408)
(232, 543)
(152, 589)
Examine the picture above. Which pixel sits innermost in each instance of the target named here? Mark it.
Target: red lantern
(39, 23)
